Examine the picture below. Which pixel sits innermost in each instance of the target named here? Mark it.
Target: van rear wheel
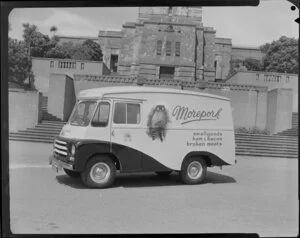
(193, 170)
(100, 172)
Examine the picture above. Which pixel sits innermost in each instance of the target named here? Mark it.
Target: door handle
(112, 133)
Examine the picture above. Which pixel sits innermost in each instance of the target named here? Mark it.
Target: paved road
(257, 195)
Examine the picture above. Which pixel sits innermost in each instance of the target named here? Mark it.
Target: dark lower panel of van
(131, 160)
(134, 160)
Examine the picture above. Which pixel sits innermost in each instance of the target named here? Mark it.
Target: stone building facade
(169, 42)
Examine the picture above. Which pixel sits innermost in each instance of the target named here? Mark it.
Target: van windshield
(83, 113)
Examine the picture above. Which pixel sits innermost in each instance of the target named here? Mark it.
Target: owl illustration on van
(157, 122)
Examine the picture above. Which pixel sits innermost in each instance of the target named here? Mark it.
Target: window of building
(168, 48)
(101, 115)
(158, 47)
(82, 66)
(257, 76)
(127, 113)
(287, 79)
(166, 72)
(177, 48)
(51, 64)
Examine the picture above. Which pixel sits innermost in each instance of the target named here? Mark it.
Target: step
(48, 126)
(53, 132)
(244, 148)
(273, 138)
(258, 135)
(56, 122)
(51, 139)
(267, 155)
(32, 140)
(33, 136)
(260, 140)
(241, 144)
(271, 149)
(289, 134)
(51, 124)
(52, 119)
(29, 132)
(50, 116)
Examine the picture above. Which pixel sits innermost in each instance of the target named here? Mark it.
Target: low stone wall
(249, 103)
(61, 96)
(280, 107)
(25, 109)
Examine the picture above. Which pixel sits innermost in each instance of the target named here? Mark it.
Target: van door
(99, 127)
(125, 128)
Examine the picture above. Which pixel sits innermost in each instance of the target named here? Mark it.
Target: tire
(72, 174)
(100, 172)
(193, 170)
(163, 174)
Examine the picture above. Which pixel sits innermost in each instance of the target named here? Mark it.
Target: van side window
(101, 115)
(133, 113)
(127, 113)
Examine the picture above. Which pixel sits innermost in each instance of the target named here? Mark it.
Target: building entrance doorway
(166, 72)
(114, 63)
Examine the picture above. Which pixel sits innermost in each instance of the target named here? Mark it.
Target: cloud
(70, 24)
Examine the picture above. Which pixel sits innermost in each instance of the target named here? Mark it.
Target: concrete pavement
(258, 195)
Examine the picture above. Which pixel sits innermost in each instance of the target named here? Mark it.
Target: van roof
(107, 91)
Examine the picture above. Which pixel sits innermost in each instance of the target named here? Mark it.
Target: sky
(246, 26)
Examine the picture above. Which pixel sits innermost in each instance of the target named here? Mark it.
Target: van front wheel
(100, 172)
(193, 171)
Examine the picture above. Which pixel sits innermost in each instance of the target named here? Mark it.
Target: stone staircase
(47, 116)
(266, 145)
(45, 131)
(294, 131)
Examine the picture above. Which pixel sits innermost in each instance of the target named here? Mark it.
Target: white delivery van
(136, 128)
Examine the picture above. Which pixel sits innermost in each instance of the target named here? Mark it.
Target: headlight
(73, 150)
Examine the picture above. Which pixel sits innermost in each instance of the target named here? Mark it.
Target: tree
(40, 45)
(63, 51)
(37, 43)
(19, 65)
(281, 55)
(53, 29)
(253, 64)
(95, 50)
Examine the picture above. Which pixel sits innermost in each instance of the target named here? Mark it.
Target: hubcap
(194, 170)
(100, 172)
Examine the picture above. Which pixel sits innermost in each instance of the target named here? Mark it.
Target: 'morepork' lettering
(185, 115)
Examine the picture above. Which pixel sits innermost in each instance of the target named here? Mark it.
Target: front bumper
(58, 165)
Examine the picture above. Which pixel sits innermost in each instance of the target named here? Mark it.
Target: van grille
(60, 148)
